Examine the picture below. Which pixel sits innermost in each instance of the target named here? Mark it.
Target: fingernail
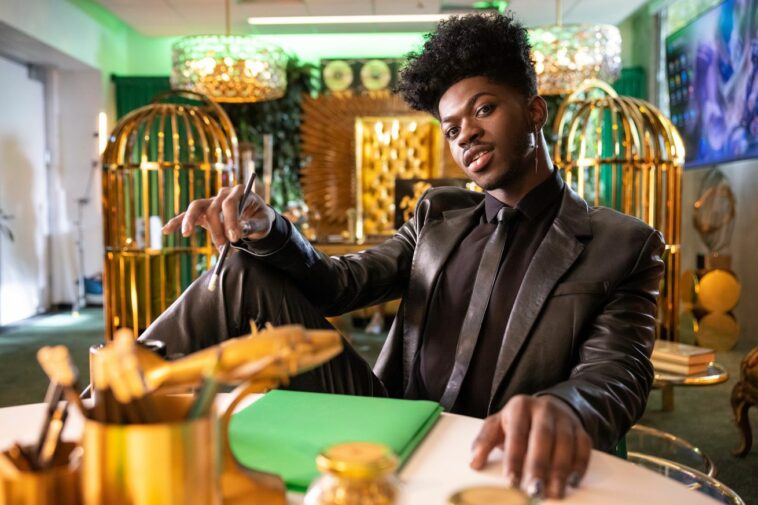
(556, 489)
(474, 463)
(573, 480)
(232, 236)
(535, 489)
(511, 480)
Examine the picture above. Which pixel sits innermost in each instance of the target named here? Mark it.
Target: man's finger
(213, 216)
(563, 458)
(229, 208)
(582, 452)
(194, 210)
(173, 224)
(490, 436)
(540, 450)
(516, 426)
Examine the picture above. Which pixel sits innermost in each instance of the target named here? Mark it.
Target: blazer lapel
(553, 258)
(439, 238)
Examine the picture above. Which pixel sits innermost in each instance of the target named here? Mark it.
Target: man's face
(489, 131)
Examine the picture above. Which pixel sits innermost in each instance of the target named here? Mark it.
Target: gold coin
(718, 291)
(489, 495)
(718, 331)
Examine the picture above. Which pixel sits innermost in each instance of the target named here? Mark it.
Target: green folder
(284, 431)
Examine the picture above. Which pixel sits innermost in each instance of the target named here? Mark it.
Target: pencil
(225, 250)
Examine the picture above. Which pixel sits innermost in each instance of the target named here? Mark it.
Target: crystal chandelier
(229, 68)
(566, 55)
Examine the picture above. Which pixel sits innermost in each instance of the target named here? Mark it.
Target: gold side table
(715, 374)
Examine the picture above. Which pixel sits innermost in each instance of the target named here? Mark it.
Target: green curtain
(134, 92)
(631, 83)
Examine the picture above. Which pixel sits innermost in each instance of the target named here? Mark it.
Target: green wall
(637, 37)
(81, 29)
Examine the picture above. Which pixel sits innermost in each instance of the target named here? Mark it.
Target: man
(521, 305)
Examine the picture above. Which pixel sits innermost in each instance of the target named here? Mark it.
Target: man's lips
(477, 153)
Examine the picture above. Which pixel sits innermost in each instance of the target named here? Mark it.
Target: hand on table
(544, 445)
(219, 216)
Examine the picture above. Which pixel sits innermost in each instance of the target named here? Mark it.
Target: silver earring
(536, 149)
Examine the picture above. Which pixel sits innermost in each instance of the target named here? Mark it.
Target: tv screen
(713, 88)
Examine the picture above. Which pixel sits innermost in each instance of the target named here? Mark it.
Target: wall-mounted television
(712, 71)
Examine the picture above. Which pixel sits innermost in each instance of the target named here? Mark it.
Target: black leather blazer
(582, 326)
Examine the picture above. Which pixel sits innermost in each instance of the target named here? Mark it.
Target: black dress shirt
(452, 293)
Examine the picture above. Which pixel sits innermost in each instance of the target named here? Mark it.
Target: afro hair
(490, 45)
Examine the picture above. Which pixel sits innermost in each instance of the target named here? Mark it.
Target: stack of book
(682, 359)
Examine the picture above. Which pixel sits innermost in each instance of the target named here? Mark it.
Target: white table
(440, 466)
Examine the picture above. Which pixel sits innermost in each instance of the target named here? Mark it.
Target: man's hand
(219, 216)
(544, 445)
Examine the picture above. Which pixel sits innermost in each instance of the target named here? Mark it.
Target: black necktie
(480, 297)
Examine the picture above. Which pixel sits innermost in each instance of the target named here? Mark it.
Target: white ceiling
(194, 17)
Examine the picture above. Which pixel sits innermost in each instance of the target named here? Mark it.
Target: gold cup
(177, 462)
(58, 485)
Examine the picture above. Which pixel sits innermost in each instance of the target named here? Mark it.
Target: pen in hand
(225, 249)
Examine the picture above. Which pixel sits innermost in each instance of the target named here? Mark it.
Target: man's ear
(538, 112)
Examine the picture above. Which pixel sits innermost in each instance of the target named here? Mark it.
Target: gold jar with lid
(356, 473)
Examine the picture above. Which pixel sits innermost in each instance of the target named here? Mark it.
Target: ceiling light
(339, 20)
(229, 68)
(566, 55)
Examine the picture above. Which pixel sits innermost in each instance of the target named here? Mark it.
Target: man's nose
(470, 132)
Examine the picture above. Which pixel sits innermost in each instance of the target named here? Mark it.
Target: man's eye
(451, 132)
(484, 110)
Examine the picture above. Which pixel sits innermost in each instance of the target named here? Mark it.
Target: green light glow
(500, 5)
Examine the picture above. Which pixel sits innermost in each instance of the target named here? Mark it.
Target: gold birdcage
(158, 159)
(623, 153)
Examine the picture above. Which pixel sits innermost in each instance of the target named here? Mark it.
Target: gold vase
(57, 485)
(173, 463)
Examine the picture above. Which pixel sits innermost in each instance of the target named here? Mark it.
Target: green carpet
(21, 376)
(701, 415)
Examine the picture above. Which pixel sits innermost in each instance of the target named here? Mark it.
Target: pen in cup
(59, 367)
(53, 397)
